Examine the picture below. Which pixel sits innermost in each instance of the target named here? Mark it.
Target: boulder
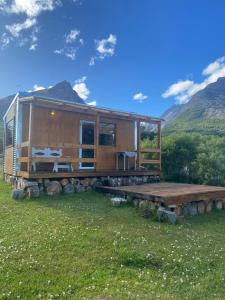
(64, 181)
(18, 194)
(143, 203)
(219, 204)
(41, 188)
(117, 201)
(192, 209)
(46, 182)
(53, 188)
(80, 188)
(68, 189)
(24, 183)
(164, 214)
(209, 206)
(33, 191)
(201, 207)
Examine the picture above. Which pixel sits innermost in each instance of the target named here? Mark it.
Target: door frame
(81, 149)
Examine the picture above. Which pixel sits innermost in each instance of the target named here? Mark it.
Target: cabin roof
(62, 104)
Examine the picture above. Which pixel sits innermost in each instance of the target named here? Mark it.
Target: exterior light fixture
(52, 113)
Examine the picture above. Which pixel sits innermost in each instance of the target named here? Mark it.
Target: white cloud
(5, 40)
(72, 36)
(177, 88)
(31, 9)
(58, 51)
(184, 90)
(71, 53)
(104, 48)
(16, 28)
(92, 103)
(140, 97)
(81, 88)
(36, 87)
(68, 50)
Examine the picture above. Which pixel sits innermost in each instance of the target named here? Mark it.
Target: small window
(9, 133)
(87, 153)
(107, 134)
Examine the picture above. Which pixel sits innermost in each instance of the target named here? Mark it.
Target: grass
(80, 247)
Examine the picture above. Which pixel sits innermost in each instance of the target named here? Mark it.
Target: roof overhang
(66, 105)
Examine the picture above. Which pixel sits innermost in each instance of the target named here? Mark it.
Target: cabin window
(9, 133)
(87, 132)
(107, 134)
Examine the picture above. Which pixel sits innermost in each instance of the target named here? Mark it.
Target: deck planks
(170, 193)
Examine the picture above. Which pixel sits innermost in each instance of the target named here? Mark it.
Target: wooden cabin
(51, 138)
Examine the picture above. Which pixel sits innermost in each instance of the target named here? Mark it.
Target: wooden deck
(169, 193)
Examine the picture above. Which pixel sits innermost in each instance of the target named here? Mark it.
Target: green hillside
(204, 113)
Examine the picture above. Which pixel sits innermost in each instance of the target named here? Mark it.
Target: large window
(107, 134)
(9, 133)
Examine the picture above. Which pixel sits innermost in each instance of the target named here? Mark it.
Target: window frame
(115, 134)
(6, 131)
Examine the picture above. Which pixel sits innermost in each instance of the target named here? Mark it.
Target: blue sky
(137, 55)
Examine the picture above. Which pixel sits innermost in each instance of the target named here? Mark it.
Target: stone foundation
(51, 187)
(183, 210)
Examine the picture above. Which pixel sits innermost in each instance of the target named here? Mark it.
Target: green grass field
(80, 247)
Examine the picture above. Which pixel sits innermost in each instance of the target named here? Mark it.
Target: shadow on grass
(136, 261)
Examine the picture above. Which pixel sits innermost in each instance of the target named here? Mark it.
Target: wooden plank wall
(63, 128)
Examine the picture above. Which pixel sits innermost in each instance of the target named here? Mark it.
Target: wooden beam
(159, 144)
(150, 161)
(23, 144)
(96, 141)
(88, 173)
(150, 150)
(138, 145)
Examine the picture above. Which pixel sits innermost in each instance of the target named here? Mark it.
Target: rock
(219, 204)
(85, 182)
(201, 207)
(80, 189)
(33, 191)
(53, 188)
(209, 206)
(143, 203)
(136, 202)
(152, 205)
(18, 194)
(23, 183)
(93, 181)
(10, 179)
(167, 215)
(192, 209)
(117, 201)
(112, 182)
(68, 189)
(185, 210)
(64, 181)
(46, 182)
(41, 188)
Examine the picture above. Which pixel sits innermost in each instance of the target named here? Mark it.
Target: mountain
(171, 113)
(204, 113)
(62, 90)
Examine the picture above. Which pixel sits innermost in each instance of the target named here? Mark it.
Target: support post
(159, 144)
(97, 140)
(138, 145)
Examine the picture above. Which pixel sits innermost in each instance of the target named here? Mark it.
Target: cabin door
(87, 141)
